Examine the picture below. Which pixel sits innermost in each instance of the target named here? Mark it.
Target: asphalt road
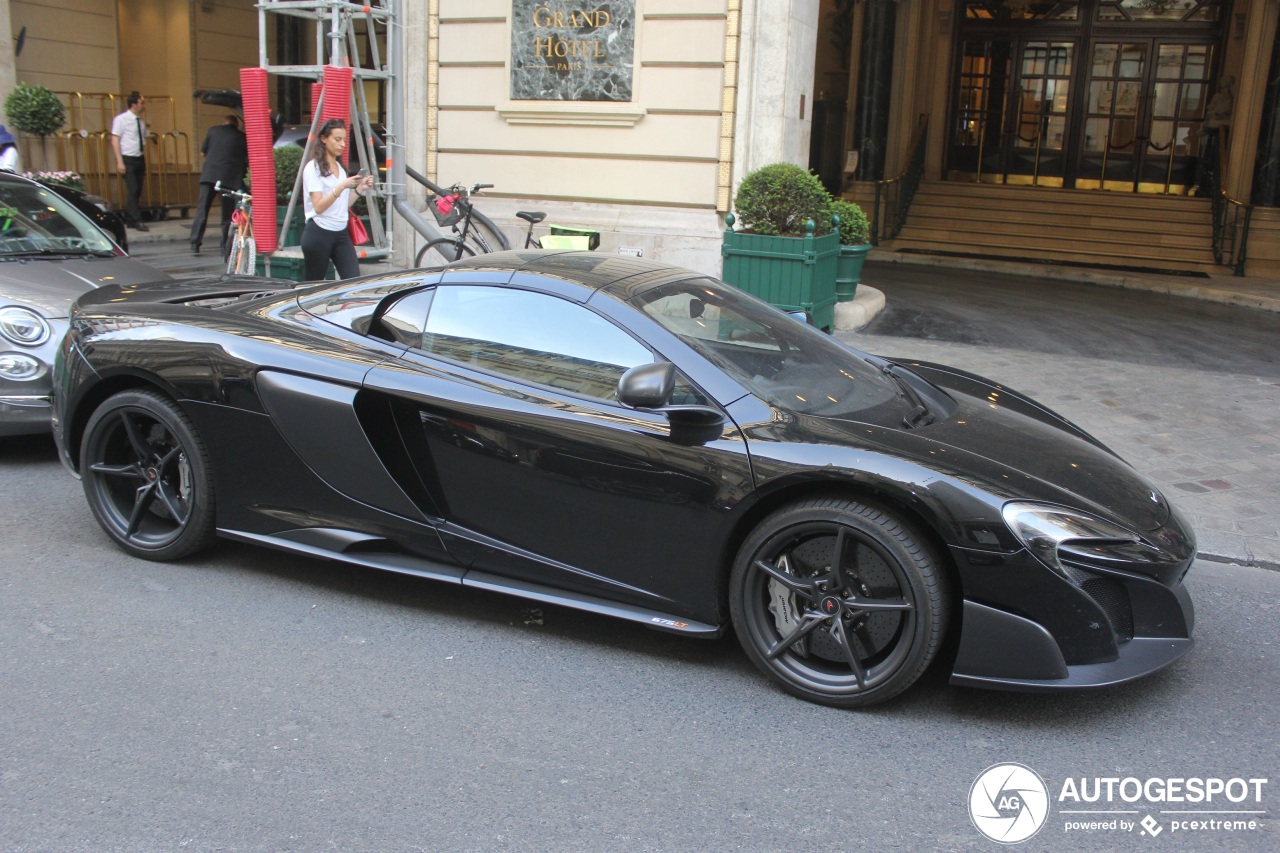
(247, 700)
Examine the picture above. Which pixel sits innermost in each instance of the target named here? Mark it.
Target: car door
(540, 473)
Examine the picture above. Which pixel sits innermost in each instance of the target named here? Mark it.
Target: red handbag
(355, 227)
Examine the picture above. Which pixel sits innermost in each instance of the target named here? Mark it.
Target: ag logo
(1008, 803)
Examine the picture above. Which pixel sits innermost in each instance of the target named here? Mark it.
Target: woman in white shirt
(326, 194)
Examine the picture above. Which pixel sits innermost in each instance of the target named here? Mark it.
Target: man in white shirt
(128, 136)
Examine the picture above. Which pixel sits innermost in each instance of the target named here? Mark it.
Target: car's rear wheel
(147, 476)
(839, 602)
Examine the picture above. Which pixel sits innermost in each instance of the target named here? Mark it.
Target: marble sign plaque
(572, 51)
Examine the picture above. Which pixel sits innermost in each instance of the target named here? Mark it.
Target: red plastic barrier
(262, 164)
(337, 100)
(316, 89)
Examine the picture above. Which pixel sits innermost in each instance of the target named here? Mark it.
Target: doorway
(1090, 95)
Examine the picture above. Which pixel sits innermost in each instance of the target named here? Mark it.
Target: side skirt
(363, 550)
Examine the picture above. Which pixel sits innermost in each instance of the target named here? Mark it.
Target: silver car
(50, 253)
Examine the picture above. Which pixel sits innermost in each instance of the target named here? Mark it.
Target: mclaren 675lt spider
(629, 438)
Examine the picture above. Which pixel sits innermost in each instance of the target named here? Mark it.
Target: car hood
(1012, 446)
(49, 285)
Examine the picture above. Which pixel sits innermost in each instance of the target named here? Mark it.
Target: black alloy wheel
(147, 476)
(838, 602)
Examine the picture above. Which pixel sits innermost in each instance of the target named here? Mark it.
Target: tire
(147, 476)
(484, 237)
(243, 256)
(859, 635)
(441, 251)
(233, 254)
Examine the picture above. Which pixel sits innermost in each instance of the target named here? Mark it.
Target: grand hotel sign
(572, 51)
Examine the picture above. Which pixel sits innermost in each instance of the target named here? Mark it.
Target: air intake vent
(1113, 598)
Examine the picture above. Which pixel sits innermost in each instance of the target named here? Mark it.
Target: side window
(531, 337)
(353, 307)
(402, 323)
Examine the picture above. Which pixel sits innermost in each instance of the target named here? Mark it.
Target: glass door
(1145, 106)
(1011, 122)
(1040, 127)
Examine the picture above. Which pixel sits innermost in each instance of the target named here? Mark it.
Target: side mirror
(647, 386)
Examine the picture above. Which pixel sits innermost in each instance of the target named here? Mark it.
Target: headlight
(23, 326)
(18, 366)
(1045, 530)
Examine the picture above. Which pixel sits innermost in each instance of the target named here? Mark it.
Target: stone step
(978, 240)
(1158, 261)
(1109, 228)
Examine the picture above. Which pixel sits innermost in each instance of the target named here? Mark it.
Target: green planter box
(791, 273)
(849, 270)
(293, 236)
(287, 264)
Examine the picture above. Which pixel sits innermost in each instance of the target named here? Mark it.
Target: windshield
(36, 221)
(784, 362)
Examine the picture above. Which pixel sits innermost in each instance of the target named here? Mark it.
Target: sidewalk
(1207, 438)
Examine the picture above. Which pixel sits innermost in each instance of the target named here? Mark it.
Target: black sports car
(629, 438)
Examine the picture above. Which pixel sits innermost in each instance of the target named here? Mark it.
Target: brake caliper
(786, 615)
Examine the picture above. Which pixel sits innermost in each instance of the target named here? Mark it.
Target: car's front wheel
(147, 476)
(839, 602)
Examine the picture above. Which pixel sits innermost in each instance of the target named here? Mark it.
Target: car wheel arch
(98, 394)
(913, 513)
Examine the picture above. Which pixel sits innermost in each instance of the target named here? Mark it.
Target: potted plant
(787, 251)
(855, 243)
(35, 110)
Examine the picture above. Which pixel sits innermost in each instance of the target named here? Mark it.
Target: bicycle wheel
(233, 254)
(243, 255)
(442, 251)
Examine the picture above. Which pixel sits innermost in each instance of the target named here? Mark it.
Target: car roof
(622, 276)
(13, 176)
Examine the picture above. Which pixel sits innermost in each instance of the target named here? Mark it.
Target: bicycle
(455, 209)
(243, 251)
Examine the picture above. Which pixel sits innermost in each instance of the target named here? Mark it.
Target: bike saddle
(531, 216)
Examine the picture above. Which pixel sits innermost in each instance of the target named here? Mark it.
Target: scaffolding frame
(336, 43)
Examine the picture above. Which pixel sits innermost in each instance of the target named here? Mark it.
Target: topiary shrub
(855, 230)
(35, 110)
(779, 198)
(288, 161)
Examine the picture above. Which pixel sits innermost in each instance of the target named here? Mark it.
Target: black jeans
(201, 219)
(320, 245)
(135, 174)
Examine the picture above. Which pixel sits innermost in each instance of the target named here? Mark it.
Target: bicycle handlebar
(236, 194)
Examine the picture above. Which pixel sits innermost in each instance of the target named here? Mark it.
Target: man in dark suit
(226, 156)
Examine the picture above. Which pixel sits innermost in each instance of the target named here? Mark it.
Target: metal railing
(1231, 216)
(894, 195)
